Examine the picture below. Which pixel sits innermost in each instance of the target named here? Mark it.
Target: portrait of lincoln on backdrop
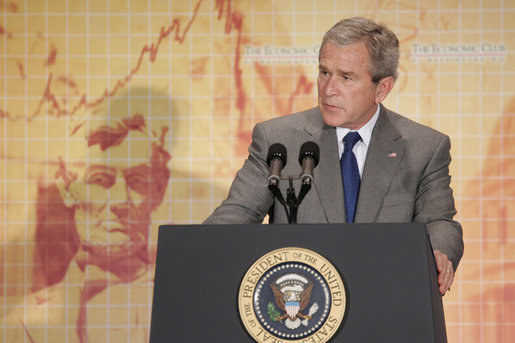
(103, 202)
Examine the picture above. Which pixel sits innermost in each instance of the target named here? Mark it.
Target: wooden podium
(388, 271)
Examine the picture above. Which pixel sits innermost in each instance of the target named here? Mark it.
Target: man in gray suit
(403, 166)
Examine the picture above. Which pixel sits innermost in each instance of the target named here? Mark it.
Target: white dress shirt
(361, 147)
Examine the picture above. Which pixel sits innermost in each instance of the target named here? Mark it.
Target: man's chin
(332, 119)
(114, 250)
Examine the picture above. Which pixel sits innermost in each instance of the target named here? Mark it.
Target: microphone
(308, 159)
(276, 161)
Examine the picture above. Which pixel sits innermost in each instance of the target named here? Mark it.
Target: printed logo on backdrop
(458, 52)
(292, 295)
(269, 54)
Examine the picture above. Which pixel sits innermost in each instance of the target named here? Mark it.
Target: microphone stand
(292, 202)
(277, 194)
(291, 199)
(306, 186)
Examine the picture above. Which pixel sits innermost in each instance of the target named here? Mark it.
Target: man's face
(113, 197)
(346, 94)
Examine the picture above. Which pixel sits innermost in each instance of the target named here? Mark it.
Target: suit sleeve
(249, 199)
(435, 204)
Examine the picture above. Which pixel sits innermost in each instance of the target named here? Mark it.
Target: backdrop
(143, 109)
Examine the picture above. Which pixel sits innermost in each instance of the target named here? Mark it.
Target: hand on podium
(445, 271)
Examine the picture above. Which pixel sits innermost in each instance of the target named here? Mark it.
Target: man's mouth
(331, 106)
(121, 230)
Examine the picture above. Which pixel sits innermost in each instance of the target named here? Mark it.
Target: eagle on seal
(292, 299)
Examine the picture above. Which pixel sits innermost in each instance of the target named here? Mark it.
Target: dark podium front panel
(388, 271)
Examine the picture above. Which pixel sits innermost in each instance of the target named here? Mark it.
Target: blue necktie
(350, 175)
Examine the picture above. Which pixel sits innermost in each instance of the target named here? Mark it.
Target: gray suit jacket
(405, 178)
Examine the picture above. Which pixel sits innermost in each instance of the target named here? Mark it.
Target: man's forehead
(133, 150)
(83, 168)
(332, 50)
(345, 59)
(110, 168)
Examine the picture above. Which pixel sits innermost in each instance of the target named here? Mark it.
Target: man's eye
(101, 179)
(137, 178)
(138, 182)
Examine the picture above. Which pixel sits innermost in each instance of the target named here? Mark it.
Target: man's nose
(121, 210)
(329, 87)
(119, 198)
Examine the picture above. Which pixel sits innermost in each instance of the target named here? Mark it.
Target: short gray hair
(382, 44)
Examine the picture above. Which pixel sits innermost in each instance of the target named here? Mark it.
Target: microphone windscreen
(310, 149)
(276, 150)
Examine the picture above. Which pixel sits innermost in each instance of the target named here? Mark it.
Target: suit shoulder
(409, 128)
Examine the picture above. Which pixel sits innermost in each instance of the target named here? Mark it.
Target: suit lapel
(328, 179)
(384, 155)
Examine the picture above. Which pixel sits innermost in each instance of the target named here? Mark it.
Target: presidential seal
(292, 295)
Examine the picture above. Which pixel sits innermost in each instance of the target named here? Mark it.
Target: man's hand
(445, 271)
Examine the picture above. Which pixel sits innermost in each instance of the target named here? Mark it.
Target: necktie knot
(350, 140)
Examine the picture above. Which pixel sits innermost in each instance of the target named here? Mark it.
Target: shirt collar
(365, 131)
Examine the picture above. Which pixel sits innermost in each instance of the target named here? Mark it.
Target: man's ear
(64, 181)
(383, 88)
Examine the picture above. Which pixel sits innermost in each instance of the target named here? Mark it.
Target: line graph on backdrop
(51, 104)
(58, 108)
